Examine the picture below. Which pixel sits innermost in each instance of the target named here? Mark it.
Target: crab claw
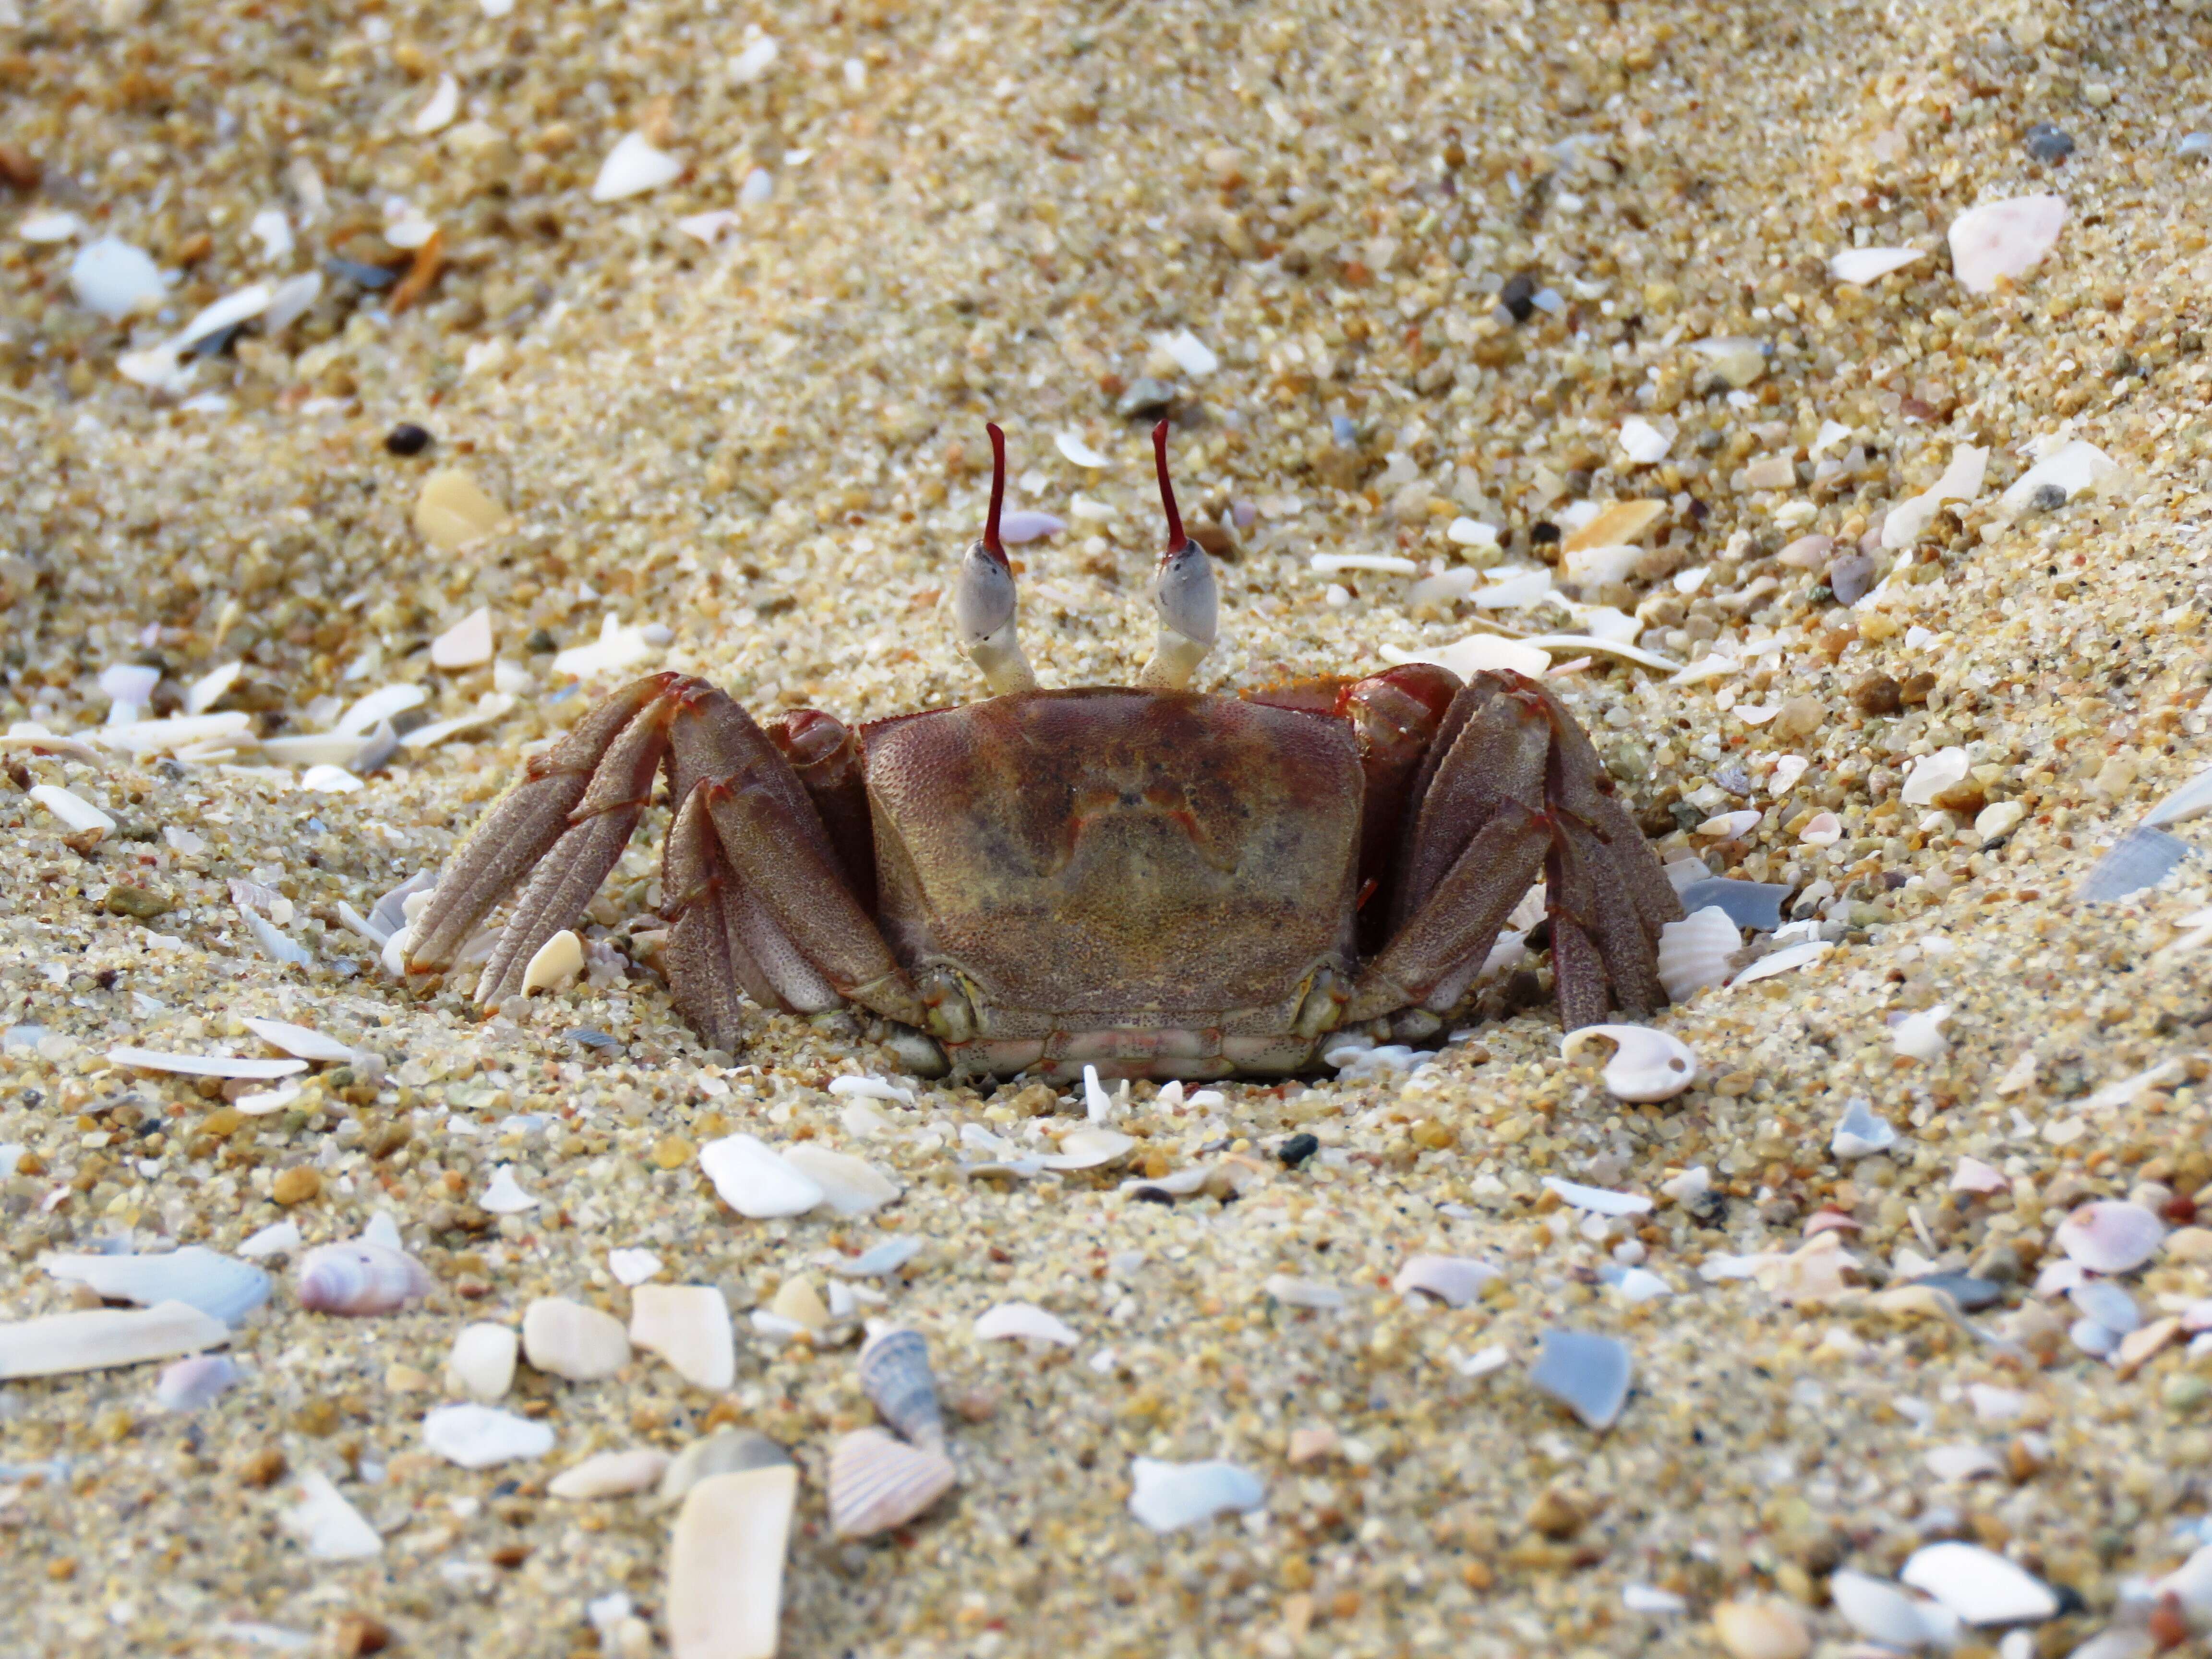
(1183, 593)
(984, 600)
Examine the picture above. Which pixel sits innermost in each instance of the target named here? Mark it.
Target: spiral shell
(895, 1372)
(360, 1279)
(876, 1483)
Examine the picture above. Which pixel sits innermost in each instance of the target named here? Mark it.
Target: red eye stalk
(998, 492)
(1176, 537)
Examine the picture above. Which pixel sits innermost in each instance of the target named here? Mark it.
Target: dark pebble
(1518, 296)
(1543, 533)
(407, 438)
(1153, 1195)
(540, 643)
(1878, 694)
(1964, 1288)
(2049, 144)
(2048, 498)
(1297, 1149)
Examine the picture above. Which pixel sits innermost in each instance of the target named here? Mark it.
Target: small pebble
(297, 1185)
(1297, 1149)
(407, 438)
(2049, 144)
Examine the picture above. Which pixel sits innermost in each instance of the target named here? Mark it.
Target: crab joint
(984, 600)
(1183, 593)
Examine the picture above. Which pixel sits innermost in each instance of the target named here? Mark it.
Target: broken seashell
(1080, 452)
(797, 1303)
(1168, 1497)
(466, 644)
(895, 1375)
(505, 1195)
(2003, 239)
(330, 1527)
(726, 1563)
(1824, 829)
(1088, 1148)
(731, 1452)
(688, 1326)
(277, 1238)
(1756, 905)
(1786, 960)
(634, 165)
(482, 1364)
(2111, 1236)
(1920, 1036)
(1980, 1586)
(569, 1339)
(301, 1041)
(876, 1483)
(60, 1344)
(1769, 1628)
(1860, 1133)
(752, 1180)
(478, 1437)
(1598, 1200)
(850, 1186)
(1931, 775)
(1863, 265)
(1454, 1280)
(1647, 1065)
(191, 1383)
(1729, 826)
(1304, 1292)
(360, 1279)
(632, 1267)
(1697, 951)
(215, 1284)
(225, 1066)
(611, 1474)
(1586, 1373)
(555, 965)
(451, 511)
(1023, 1319)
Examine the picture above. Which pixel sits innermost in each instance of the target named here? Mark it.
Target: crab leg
(1184, 593)
(518, 832)
(984, 600)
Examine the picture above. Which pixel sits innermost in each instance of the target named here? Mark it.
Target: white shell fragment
(60, 1344)
(478, 1437)
(73, 810)
(1304, 1292)
(147, 1059)
(1647, 1065)
(505, 1196)
(360, 1279)
(1787, 959)
(850, 1186)
(1697, 951)
(2111, 1236)
(1080, 452)
(1598, 1200)
(2193, 798)
(726, 1564)
(191, 1383)
(438, 114)
(1023, 1319)
(611, 1474)
(481, 1363)
(1454, 1280)
(1860, 1133)
(114, 278)
(215, 1284)
(1169, 1496)
(2004, 239)
(1642, 442)
(1089, 1149)
(330, 1527)
(733, 1451)
(1920, 1036)
(466, 644)
(632, 1267)
(1586, 1373)
(555, 965)
(277, 1238)
(1871, 264)
(572, 1340)
(1961, 481)
(1978, 1585)
(634, 167)
(752, 1180)
(1931, 775)
(688, 1326)
(2074, 467)
(301, 1041)
(876, 1483)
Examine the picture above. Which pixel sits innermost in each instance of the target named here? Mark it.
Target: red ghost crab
(1154, 881)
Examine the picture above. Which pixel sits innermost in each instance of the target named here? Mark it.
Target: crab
(1149, 879)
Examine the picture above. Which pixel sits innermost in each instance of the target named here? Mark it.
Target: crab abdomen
(1146, 881)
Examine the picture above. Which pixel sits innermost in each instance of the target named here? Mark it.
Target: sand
(766, 453)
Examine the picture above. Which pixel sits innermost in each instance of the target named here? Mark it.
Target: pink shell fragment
(2111, 1236)
(2003, 239)
(1829, 1221)
(1972, 1175)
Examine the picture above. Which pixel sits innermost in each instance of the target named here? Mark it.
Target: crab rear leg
(1511, 785)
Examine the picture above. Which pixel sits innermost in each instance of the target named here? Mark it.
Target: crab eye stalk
(1183, 593)
(984, 600)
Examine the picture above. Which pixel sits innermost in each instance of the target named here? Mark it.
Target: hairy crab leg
(1431, 961)
(599, 827)
(826, 754)
(1184, 593)
(984, 599)
(521, 828)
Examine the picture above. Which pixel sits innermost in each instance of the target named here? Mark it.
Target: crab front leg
(1510, 786)
(758, 899)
